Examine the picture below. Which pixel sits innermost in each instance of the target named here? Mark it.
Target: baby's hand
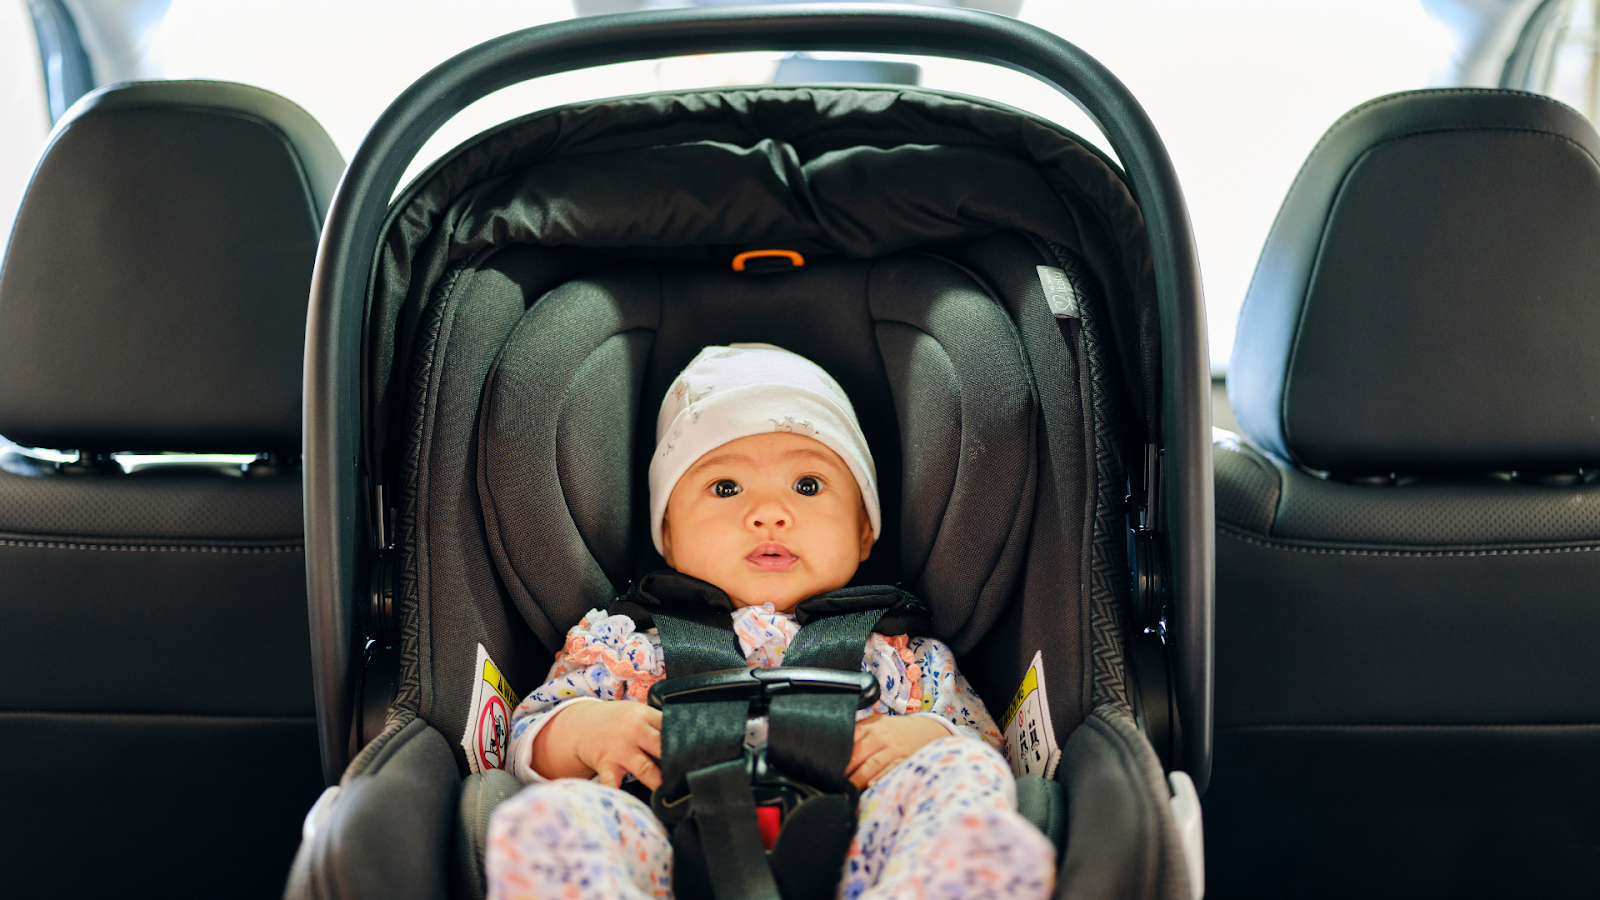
(882, 742)
(609, 738)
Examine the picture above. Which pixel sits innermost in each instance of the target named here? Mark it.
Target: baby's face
(770, 518)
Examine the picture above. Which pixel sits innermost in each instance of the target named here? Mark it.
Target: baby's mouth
(771, 557)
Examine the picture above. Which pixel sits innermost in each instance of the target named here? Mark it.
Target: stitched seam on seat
(1353, 551)
(151, 548)
(1436, 92)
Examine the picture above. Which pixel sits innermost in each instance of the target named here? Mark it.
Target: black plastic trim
(350, 242)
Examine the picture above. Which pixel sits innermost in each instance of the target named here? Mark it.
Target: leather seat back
(156, 709)
(1408, 700)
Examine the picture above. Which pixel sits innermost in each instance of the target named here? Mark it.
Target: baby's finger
(864, 726)
(610, 773)
(856, 759)
(865, 747)
(886, 769)
(650, 741)
(645, 769)
(871, 767)
(863, 750)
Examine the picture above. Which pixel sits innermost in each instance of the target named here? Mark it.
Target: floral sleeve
(945, 691)
(604, 658)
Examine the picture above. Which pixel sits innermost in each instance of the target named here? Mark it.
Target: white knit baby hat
(726, 393)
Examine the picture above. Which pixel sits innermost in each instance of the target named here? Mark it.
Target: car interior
(332, 339)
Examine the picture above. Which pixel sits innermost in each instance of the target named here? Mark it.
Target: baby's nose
(772, 520)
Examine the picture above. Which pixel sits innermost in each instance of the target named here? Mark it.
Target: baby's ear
(666, 542)
(866, 533)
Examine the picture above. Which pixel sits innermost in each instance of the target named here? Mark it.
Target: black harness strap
(810, 736)
(696, 639)
(706, 794)
(725, 814)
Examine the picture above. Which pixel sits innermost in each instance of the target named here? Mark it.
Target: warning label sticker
(1030, 739)
(488, 737)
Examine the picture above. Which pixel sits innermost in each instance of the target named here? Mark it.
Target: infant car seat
(981, 283)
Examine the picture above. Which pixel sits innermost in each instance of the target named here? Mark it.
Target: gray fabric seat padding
(572, 397)
(389, 832)
(1044, 804)
(481, 792)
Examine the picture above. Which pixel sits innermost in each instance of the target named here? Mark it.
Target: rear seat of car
(157, 723)
(1408, 535)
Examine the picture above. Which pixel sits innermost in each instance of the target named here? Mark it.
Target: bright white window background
(1239, 90)
(24, 115)
(1575, 76)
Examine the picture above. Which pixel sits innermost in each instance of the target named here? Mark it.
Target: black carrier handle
(337, 516)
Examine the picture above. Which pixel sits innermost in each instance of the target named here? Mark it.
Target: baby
(761, 486)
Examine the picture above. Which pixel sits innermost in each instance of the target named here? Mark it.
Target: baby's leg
(575, 840)
(944, 824)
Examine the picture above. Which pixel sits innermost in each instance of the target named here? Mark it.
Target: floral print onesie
(940, 824)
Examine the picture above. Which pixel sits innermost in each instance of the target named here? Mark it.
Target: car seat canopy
(700, 176)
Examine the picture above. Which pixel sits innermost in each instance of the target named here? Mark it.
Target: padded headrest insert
(1427, 298)
(931, 362)
(154, 291)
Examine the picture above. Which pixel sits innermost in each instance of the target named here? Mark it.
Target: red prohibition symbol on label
(494, 727)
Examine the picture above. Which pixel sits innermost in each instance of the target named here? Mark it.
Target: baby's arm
(882, 742)
(604, 659)
(608, 739)
(948, 707)
(946, 693)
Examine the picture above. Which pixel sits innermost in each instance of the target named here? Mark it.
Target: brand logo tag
(1058, 290)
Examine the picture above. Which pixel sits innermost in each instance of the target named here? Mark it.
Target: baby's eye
(727, 487)
(807, 486)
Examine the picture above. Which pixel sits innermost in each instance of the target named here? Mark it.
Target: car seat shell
(428, 254)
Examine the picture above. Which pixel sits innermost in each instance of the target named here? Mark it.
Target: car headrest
(1429, 296)
(153, 294)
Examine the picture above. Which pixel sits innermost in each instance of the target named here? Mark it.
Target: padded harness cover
(564, 423)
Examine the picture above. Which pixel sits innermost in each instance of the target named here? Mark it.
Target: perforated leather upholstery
(156, 715)
(1408, 701)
